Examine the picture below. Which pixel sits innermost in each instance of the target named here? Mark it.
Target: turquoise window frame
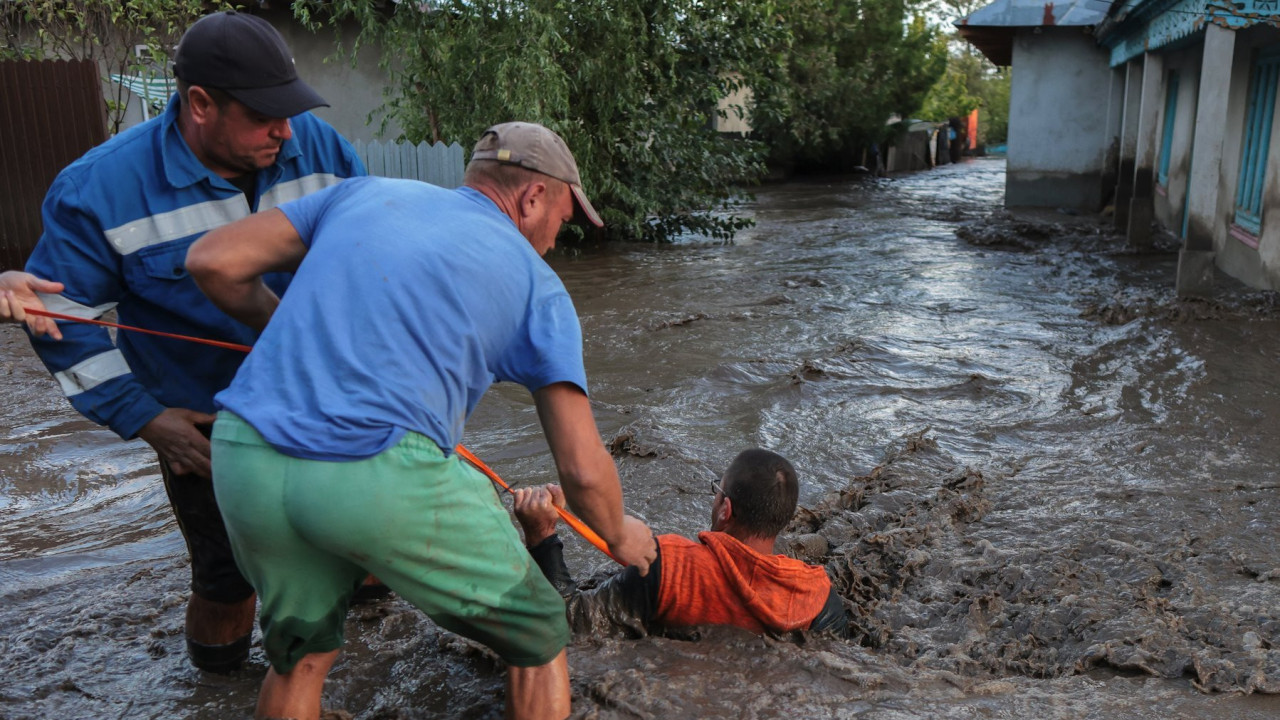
(1256, 145)
(1170, 115)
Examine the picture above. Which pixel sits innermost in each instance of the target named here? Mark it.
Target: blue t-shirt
(410, 302)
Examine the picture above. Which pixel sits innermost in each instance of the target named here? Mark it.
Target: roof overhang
(991, 29)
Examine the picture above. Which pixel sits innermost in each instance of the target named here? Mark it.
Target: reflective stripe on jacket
(117, 225)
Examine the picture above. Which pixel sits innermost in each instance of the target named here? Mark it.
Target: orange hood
(723, 582)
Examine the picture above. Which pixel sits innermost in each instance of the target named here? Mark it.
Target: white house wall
(1258, 267)
(1171, 196)
(1055, 121)
(353, 92)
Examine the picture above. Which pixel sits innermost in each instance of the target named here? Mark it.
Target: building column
(1196, 259)
(1111, 135)
(1142, 205)
(1128, 141)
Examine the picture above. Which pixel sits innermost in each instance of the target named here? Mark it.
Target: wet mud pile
(1134, 303)
(905, 547)
(1031, 230)
(1064, 238)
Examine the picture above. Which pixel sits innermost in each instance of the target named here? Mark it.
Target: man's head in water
(756, 497)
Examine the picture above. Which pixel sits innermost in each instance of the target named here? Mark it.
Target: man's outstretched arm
(228, 264)
(19, 291)
(587, 472)
(626, 602)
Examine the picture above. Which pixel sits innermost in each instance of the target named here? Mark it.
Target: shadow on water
(1044, 486)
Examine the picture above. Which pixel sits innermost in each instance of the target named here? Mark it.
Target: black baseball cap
(245, 57)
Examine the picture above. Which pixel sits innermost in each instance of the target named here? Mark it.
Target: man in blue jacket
(236, 139)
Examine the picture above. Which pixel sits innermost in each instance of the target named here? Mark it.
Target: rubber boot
(220, 659)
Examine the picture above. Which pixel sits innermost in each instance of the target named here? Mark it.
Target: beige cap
(534, 147)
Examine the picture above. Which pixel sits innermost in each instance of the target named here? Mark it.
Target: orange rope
(87, 321)
(573, 522)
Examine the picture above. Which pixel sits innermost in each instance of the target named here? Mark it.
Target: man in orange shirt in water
(730, 576)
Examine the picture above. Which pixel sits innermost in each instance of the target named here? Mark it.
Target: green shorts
(306, 532)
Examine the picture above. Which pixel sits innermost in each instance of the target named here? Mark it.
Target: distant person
(235, 139)
(958, 131)
(334, 450)
(20, 290)
(730, 576)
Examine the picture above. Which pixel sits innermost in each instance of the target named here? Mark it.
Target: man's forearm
(228, 264)
(250, 302)
(594, 493)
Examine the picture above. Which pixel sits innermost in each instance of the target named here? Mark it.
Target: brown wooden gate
(51, 112)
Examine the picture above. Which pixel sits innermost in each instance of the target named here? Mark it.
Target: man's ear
(725, 513)
(533, 195)
(201, 103)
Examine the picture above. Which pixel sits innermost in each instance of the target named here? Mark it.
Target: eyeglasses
(715, 488)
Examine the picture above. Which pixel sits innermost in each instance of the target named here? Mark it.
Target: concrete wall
(1056, 120)
(353, 93)
(739, 101)
(1111, 136)
(1171, 196)
(1258, 267)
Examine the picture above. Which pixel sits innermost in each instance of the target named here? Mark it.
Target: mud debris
(678, 322)
(625, 443)
(921, 585)
(1131, 304)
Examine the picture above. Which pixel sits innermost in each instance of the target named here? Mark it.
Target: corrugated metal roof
(1037, 13)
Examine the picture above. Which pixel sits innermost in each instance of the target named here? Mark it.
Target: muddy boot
(221, 659)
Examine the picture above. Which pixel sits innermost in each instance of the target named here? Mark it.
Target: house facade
(1181, 96)
(355, 93)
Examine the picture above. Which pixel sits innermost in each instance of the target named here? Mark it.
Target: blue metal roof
(1037, 13)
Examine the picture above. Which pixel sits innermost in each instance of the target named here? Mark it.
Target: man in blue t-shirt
(334, 456)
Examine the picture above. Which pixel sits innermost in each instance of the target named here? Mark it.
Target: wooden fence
(438, 164)
(51, 113)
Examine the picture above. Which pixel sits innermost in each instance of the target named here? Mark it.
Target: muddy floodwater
(1045, 487)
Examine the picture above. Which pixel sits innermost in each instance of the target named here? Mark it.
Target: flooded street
(1045, 487)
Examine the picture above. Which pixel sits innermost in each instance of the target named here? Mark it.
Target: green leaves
(632, 87)
(637, 88)
(852, 65)
(970, 82)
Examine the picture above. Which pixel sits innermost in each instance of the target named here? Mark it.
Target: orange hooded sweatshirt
(721, 581)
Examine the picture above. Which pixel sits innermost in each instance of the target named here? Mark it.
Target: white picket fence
(438, 164)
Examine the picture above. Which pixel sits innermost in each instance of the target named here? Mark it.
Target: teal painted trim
(1150, 25)
(1170, 114)
(1263, 81)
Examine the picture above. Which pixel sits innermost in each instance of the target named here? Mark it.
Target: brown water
(1047, 489)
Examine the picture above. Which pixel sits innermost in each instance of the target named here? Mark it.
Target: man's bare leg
(539, 693)
(295, 694)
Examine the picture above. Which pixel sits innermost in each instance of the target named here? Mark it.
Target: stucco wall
(1170, 198)
(1056, 120)
(1258, 267)
(353, 93)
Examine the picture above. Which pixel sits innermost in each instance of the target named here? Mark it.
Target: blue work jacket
(117, 225)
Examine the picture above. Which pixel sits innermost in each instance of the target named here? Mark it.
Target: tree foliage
(632, 87)
(993, 121)
(970, 82)
(104, 31)
(851, 66)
